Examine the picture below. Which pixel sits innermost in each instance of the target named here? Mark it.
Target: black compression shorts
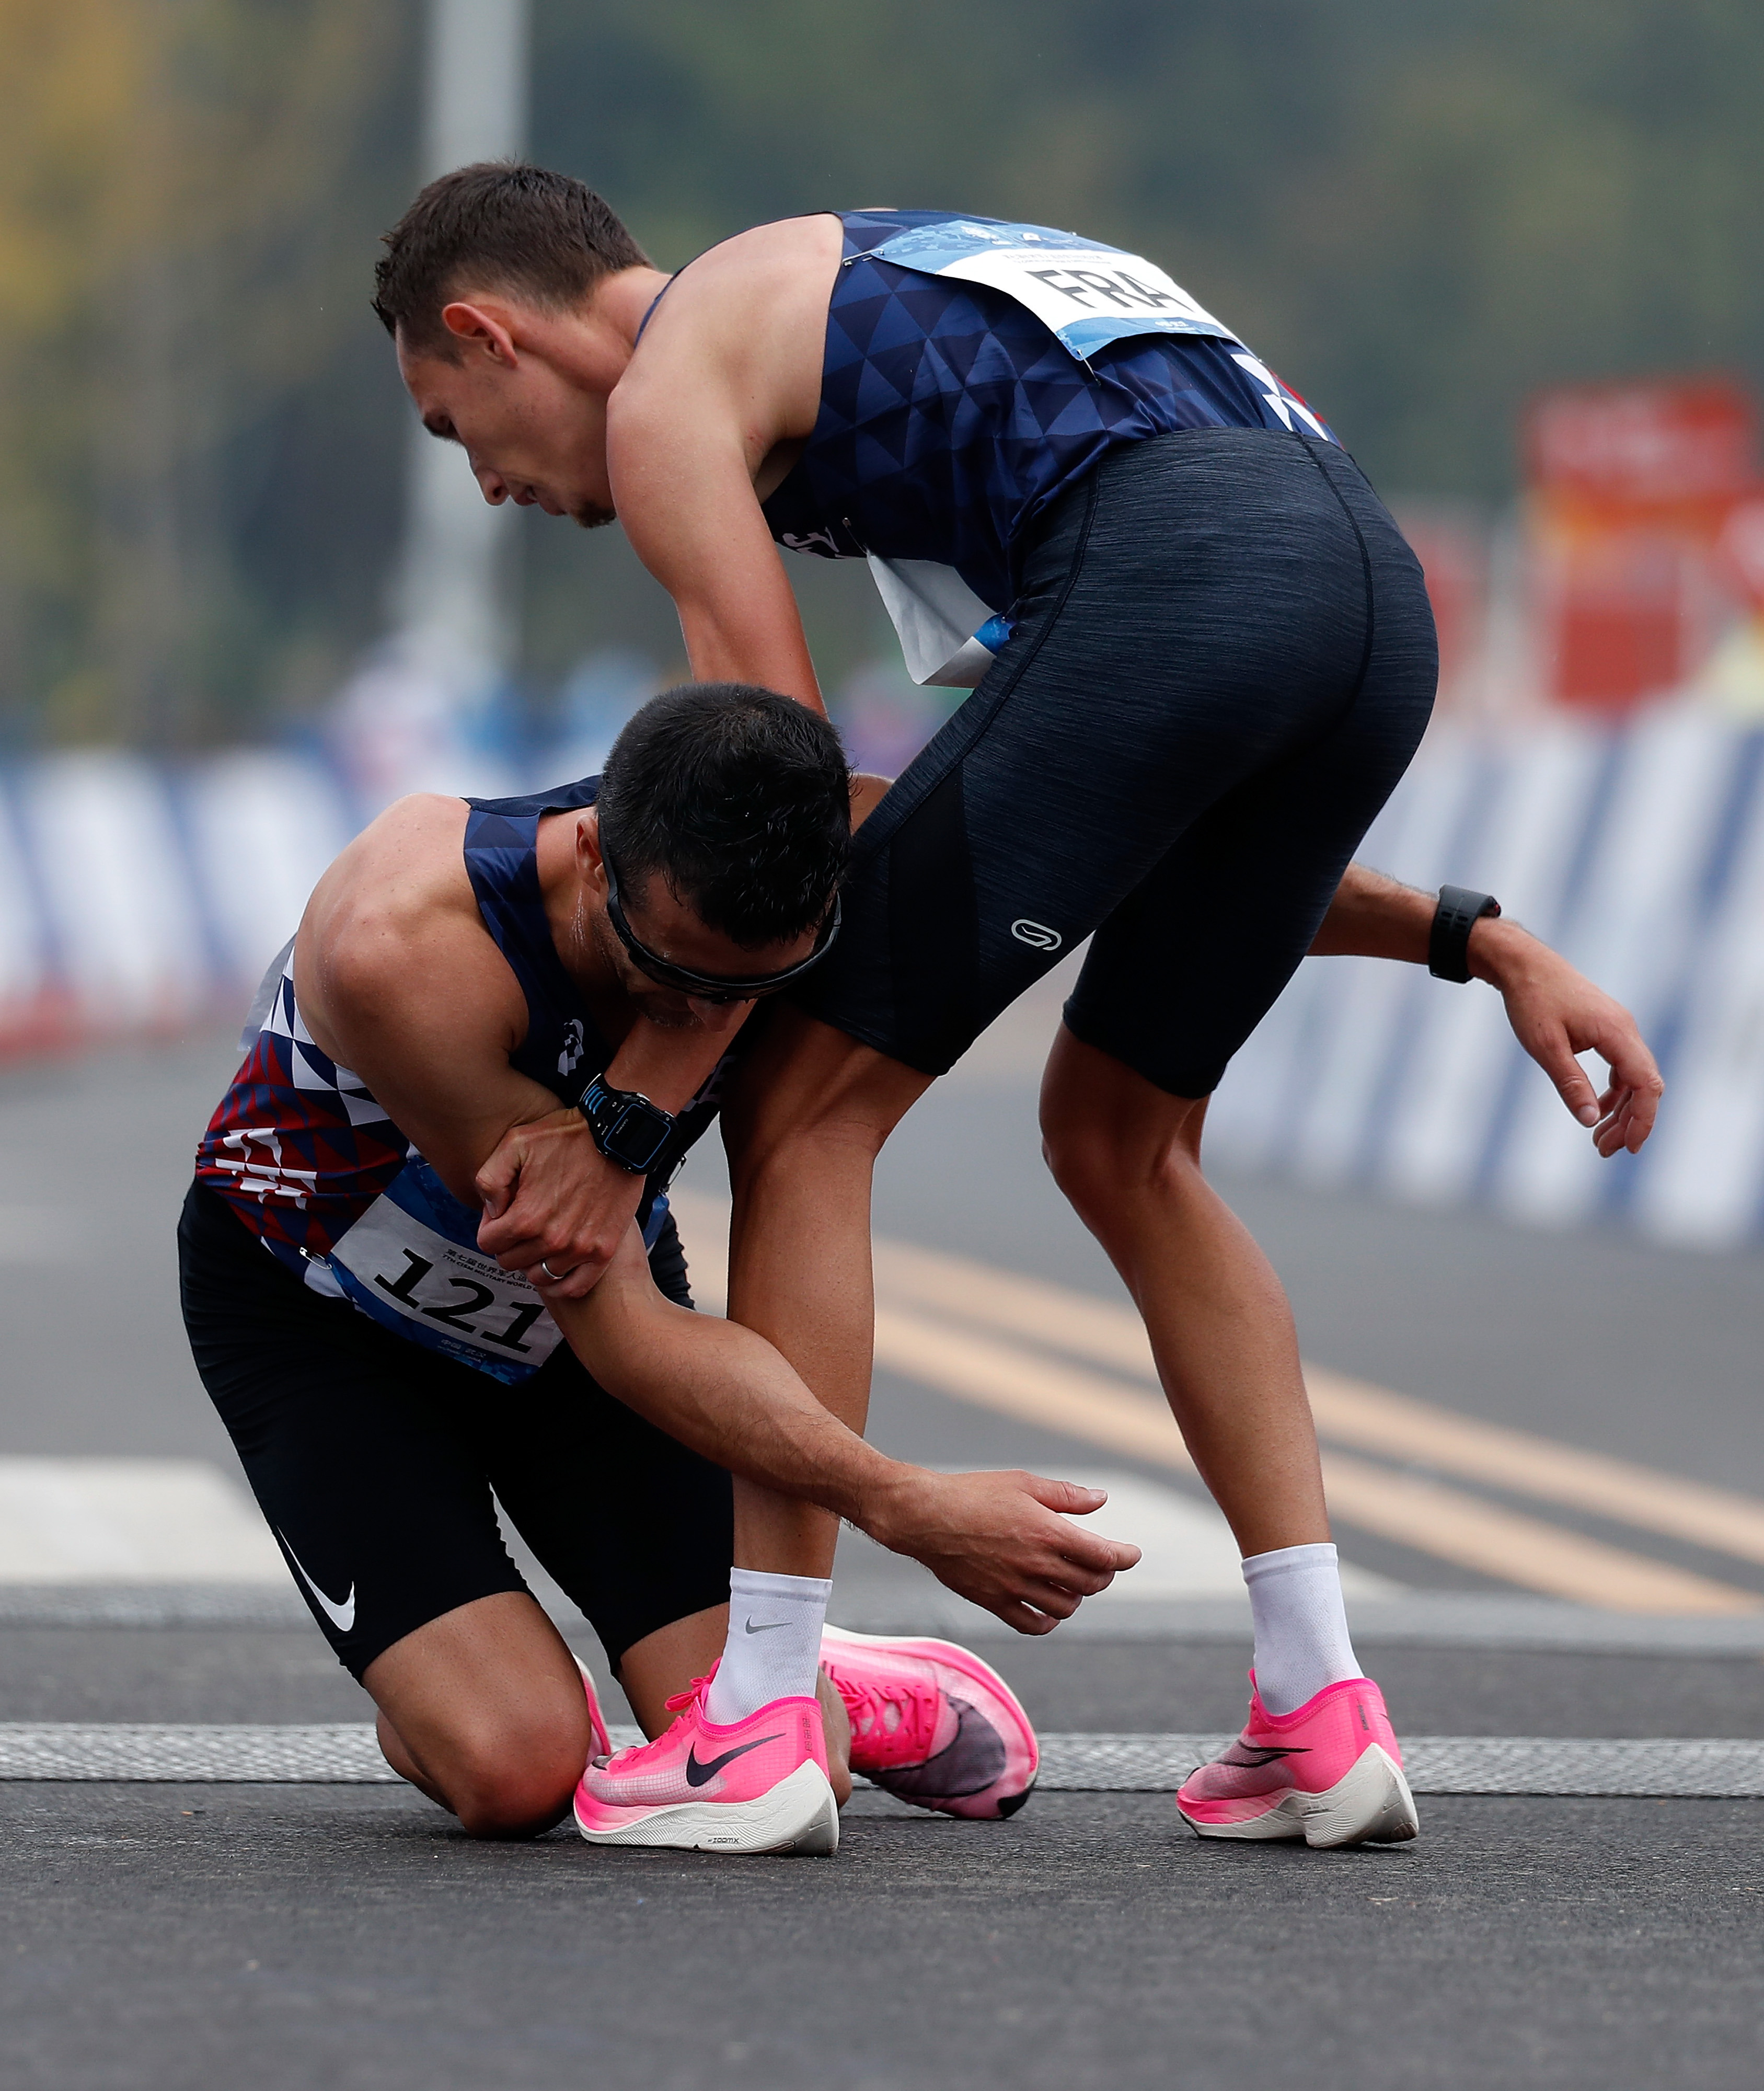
(1222, 661)
(374, 1460)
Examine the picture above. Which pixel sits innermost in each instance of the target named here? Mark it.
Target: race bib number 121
(412, 1262)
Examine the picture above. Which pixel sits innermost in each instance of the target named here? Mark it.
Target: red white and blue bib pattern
(298, 1146)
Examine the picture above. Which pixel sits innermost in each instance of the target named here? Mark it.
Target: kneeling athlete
(463, 967)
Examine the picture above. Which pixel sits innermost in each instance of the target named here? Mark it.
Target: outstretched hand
(549, 1193)
(1557, 1013)
(998, 1540)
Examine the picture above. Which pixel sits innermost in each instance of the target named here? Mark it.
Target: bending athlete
(465, 967)
(1204, 657)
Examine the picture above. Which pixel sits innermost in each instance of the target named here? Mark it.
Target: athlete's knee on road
(514, 1777)
(505, 1760)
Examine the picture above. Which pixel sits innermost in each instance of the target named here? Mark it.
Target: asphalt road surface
(165, 1936)
(327, 1937)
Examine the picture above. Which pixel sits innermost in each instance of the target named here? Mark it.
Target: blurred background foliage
(1418, 210)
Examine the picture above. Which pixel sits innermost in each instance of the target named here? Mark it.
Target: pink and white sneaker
(932, 1723)
(1330, 1772)
(760, 1785)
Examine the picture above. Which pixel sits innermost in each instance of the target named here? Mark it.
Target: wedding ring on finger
(557, 1276)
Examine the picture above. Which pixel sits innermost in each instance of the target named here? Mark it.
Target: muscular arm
(724, 1391)
(1556, 1012)
(397, 979)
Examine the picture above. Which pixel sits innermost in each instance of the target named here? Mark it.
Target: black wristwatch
(627, 1128)
(1449, 946)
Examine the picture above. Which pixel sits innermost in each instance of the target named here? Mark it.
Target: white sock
(1302, 1639)
(774, 1646)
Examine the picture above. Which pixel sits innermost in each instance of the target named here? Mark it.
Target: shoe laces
(639, 1753)
(681, 1700)
(882, 1708)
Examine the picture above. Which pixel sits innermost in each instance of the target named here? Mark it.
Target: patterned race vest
(974, 369)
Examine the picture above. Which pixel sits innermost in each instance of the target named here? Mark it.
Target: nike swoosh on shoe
(697, 1773)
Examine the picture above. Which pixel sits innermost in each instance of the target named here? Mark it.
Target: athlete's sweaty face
(531, 436)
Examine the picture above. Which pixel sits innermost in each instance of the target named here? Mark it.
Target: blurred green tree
(169, 278)
(1418, 210)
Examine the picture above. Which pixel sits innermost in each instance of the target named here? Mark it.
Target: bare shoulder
(403, 869)
(868, 791)
(764, 257)
(752, 312)
(393, 924)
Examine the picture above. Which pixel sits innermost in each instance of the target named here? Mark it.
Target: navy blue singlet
(951, 417)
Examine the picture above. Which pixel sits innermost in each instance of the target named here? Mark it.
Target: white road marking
(1185, 1545)
(92, 1521)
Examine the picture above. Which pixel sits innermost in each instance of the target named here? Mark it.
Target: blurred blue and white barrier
(1640, 853)
(137, 896)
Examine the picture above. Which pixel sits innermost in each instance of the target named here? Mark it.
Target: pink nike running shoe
(932, 1723)
(1330, 1772)
(760, 1785)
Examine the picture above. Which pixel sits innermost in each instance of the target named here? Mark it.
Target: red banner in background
(1453, 546)
(1649, 448)
(1633, 493)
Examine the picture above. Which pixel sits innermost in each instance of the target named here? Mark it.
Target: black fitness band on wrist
(1448, 944)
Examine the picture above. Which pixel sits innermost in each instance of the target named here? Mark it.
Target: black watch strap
(628, 1128)
(1449, 947)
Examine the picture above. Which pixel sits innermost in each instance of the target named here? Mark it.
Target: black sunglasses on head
(710, 987)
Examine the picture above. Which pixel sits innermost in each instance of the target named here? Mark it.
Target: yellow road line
(1349, 1411)
(1426, 1515)
(1453, 1526)
(1034, 1389)
(1423, 1514)
(1352, 1413)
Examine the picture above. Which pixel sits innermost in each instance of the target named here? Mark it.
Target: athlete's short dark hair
(740, 798)
(499, 226)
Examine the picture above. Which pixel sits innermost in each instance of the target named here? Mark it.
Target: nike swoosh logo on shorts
(697, 1773)
(341, 1616)
(766, 1626)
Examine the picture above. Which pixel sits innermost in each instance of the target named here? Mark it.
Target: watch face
(637, 1135)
